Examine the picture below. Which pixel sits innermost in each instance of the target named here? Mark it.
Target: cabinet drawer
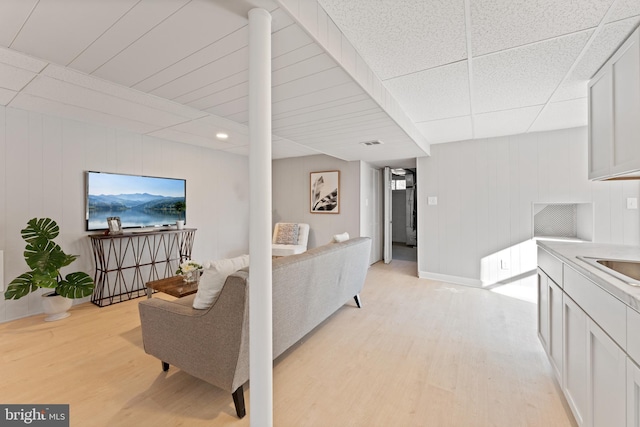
(633, 334)
(607, 311)
(550, 265)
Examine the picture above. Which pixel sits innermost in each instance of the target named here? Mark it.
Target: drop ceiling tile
(60, 31)
(625, 9)
(14, 78)
(447, 130)
(571, 89)
(561, 115)
(433, 94)
(13, 15)
(606, 42)
(59, 109)
(501, 24)
(6, 96)
(524, 76)
(169, 42)
(508, 122)
(139, 20)
(401, 40)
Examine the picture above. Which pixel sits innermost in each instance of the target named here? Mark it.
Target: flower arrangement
(190, 271)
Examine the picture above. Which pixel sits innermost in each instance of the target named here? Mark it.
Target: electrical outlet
(504, 264)
(432, 200)
(632, 203)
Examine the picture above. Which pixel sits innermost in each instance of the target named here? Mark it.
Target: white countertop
(568, 252)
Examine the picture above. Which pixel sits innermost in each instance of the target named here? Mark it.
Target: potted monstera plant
(46, 258)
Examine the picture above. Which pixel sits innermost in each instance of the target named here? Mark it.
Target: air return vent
(372, 143)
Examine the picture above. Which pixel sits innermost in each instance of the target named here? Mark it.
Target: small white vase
(179, 224)
(55, 306)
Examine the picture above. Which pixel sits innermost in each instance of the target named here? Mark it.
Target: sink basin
(626, 270)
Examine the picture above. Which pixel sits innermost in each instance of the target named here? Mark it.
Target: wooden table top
(175, 286)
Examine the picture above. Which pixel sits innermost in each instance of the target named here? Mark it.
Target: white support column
(260, 310)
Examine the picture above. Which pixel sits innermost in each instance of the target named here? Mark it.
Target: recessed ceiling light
(222, 135)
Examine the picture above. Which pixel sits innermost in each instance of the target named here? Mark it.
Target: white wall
(371, 208)
(291, 199)
(485, 191)
(43, 159)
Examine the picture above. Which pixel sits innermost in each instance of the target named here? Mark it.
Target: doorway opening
(402, 214)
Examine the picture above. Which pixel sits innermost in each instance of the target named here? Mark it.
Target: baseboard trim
(476, 283)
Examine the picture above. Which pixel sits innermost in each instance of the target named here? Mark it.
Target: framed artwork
(114, 224)
(325, 192)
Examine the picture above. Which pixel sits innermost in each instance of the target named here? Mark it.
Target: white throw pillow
(287, 234)
(213, 277)
(337, 238)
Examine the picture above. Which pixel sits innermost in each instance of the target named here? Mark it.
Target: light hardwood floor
(419, 353)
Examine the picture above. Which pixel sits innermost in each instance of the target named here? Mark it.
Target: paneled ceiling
(405, 73)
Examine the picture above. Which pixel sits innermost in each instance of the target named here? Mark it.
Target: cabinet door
(574, 373)
(606, 380)
(543, 309)
(555, 328)
(633, 394)
(600, 123)
(625, 66)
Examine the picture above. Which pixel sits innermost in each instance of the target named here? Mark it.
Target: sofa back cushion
(213, 277)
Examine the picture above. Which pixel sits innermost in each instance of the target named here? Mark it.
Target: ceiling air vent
(372, 143)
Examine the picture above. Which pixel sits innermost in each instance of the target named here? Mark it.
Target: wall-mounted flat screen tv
(139, 201)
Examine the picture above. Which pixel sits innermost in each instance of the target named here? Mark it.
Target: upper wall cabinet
(614, 115)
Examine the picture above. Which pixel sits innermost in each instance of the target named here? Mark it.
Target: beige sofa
(213, 344)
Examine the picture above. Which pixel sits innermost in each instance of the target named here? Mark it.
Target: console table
(126, 262)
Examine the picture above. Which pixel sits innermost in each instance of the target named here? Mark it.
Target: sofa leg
(165, 366)
(238, 400)
(357, 298)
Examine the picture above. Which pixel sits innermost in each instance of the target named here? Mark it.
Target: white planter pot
(55, 306)
(180, 224)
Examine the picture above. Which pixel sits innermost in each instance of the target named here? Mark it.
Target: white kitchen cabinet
(555, 328)
(614, 108)
(600, 123)
(550, 320)
(625, 67)
(543, 309)
(606, 380)
(633, 394)
(574, 379)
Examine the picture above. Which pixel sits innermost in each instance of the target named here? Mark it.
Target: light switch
(432, 200)
(632, 203)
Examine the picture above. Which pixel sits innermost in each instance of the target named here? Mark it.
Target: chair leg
(165, 366)
(357, 299)
(238, 400)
